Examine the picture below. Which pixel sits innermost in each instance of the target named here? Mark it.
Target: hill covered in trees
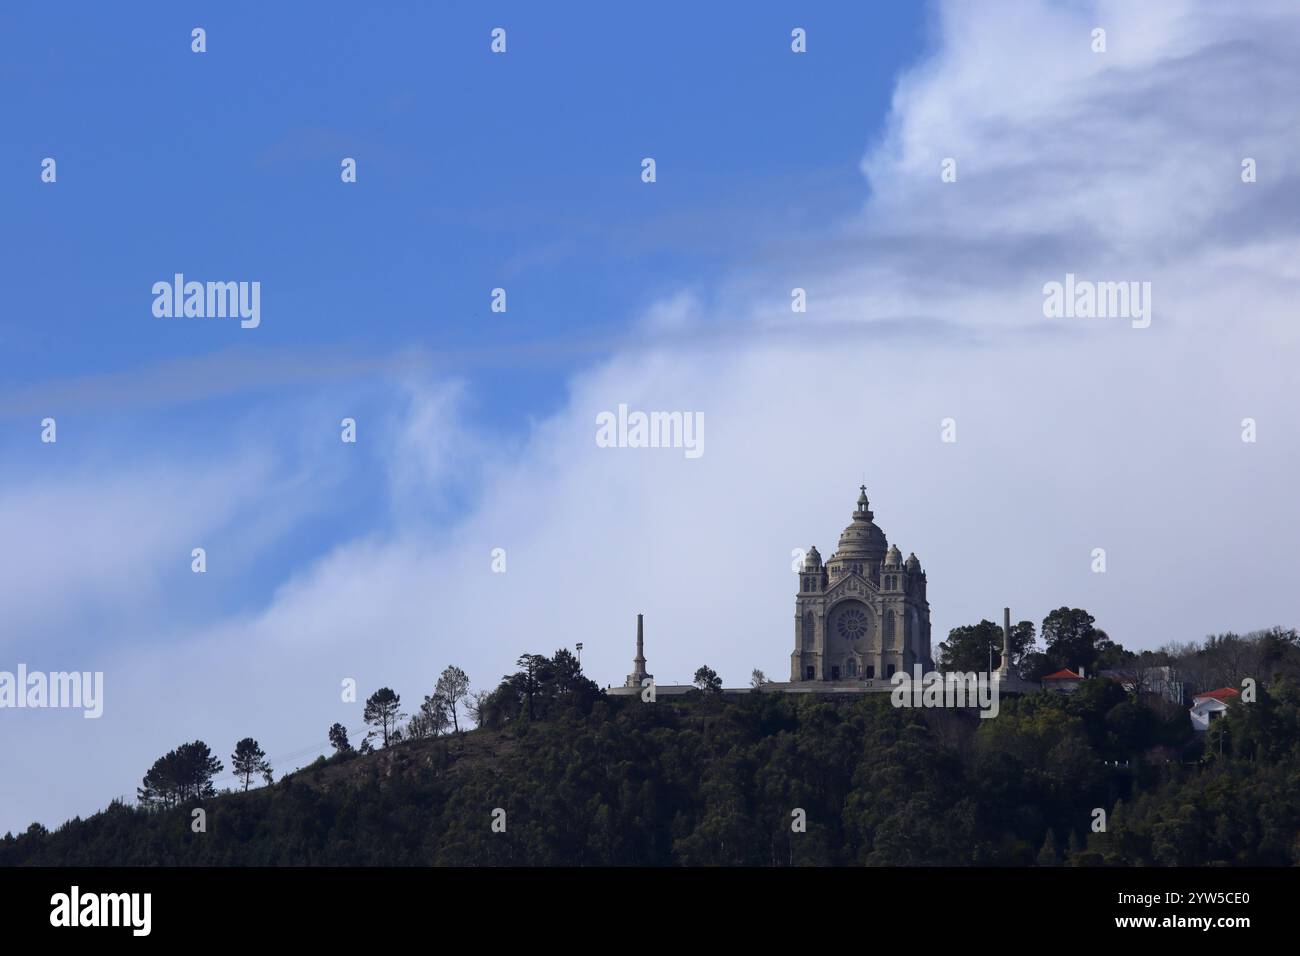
(558, 773)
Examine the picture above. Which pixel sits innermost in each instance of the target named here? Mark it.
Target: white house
(1211, 704)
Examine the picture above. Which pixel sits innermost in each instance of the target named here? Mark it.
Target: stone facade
(863, 615)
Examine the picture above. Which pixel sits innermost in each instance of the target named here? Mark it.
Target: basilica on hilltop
(863, 614)
(859, 618)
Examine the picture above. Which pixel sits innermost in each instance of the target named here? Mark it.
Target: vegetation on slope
(584, 779)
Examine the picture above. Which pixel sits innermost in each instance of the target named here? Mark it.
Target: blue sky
(475, 431)
(476, 171)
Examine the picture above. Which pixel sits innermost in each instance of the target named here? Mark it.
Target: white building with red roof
(1064, 681)
(1211, 704)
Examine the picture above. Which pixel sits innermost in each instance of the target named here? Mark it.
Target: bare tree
(1231, 657)
(475, 704)
(452, 687)
(436, 713)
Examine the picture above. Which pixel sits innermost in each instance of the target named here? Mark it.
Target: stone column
(1004, 668)
(638, 663)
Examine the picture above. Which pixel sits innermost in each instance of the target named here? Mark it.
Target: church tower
(862, 616)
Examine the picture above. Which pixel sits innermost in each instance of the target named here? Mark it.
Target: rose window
(852, 624)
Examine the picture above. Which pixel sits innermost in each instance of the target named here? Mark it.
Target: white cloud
(99, 544)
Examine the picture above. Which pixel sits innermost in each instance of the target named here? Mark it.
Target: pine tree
(339, 739)
(249, 759)
(182, 774)
(383, 712)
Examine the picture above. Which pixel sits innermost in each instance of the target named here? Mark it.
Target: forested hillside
(720, 780)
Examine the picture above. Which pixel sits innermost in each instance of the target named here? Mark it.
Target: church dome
(812, 560)
(862, 540)
(913, 563)
(894, 557)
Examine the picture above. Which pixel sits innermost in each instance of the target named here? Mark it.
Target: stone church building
(863, 614)
(858, 619)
